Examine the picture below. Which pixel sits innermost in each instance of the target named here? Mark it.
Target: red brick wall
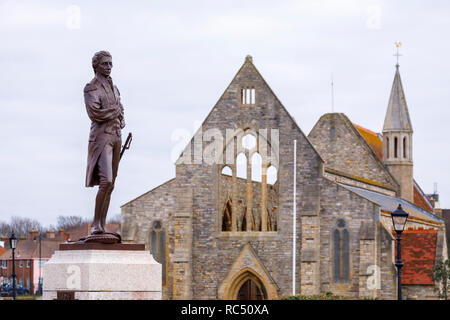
(21, 272)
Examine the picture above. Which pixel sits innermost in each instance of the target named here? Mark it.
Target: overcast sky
(173, 60)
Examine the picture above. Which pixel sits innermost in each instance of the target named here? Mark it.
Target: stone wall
(361, 217)
(139, 215)
(419, 292)
(204, 262)
(345, 150)
(214, 251)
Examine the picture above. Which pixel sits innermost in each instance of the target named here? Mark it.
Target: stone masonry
(342, 245)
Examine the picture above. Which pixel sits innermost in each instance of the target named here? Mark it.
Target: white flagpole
(294, 219)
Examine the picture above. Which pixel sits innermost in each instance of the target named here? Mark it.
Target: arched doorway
(248, 286)
(251, 291)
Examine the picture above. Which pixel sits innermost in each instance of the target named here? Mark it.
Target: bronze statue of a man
(102, 99)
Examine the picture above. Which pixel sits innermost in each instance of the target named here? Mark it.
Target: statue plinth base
(105, 237)
(96, 271)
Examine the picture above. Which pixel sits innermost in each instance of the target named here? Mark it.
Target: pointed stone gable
(261, 109)
(397, 115)
(347, 153)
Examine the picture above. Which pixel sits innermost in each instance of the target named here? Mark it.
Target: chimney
(60, 232)
(50, 234)
(33, 234)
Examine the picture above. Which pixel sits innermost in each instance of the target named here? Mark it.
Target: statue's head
(102, 63)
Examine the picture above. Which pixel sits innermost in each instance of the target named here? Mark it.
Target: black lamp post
(399, 217)
(40, 265)
(39, 290)
(13, 245)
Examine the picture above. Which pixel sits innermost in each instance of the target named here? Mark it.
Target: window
(256, 167)
(158, 246)
(249, 141)
(395, 147)
(241, 166)
(341, 253)
(227, 171)
(4, 264)
(249, 201)
(21, 263)
(248, 96)
(404, 147)
(271, 175)
(226, 217)
(28, 263)
(387, 148)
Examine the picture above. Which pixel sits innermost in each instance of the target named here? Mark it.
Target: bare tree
(70, 222)
(5, 228)
(20, 226)
(115, 219)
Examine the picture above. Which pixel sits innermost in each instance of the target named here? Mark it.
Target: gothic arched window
(395, 147)
(404, 147)
(226, 217)
(387, 148)
(250, 198)
(158, 246)
(341, 253)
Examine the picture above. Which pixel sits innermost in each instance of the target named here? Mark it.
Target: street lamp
(13, 245)
(399, 217)
(40, 265)
(39, 290)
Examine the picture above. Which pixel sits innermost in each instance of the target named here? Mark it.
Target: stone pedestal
(96, 271)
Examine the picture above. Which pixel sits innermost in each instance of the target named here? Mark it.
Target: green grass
(323, 296)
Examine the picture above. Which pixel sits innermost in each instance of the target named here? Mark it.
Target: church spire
(397, 115)
(397, 140)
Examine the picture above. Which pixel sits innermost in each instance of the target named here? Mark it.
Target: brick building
(250, 182)
(31, 254)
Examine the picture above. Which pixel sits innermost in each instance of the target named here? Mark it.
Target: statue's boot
(102, 195)
(105, 208)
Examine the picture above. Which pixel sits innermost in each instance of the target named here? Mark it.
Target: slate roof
(389, 204)
(397, 115)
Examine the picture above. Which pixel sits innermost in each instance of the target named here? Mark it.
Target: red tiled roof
(372, 139)
(418, 256)
(376, 144)
(85, 229)
(420, 201)
(29, 249)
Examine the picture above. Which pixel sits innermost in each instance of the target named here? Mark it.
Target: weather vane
(398, 45)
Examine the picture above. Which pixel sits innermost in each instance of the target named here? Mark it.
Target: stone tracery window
(250, 196)
(158, 246)
(341, 253)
